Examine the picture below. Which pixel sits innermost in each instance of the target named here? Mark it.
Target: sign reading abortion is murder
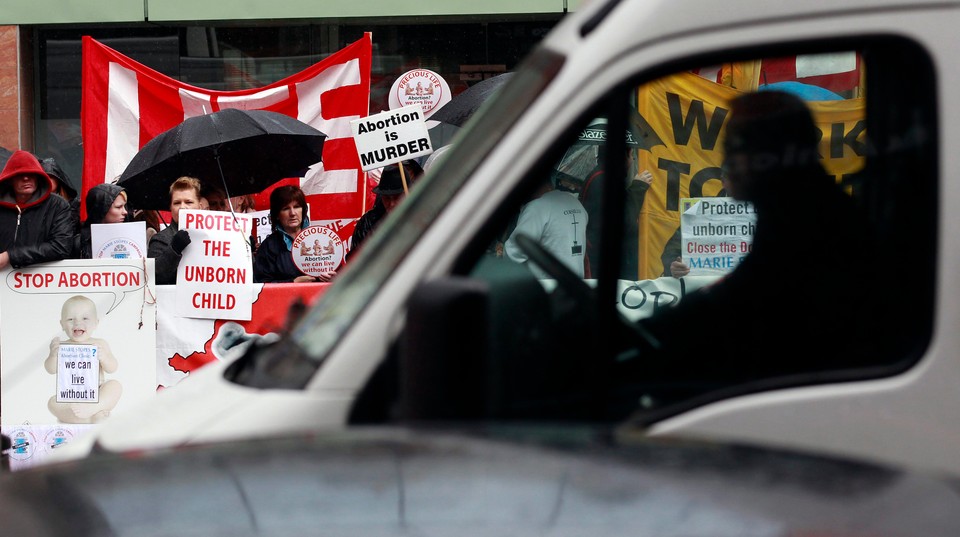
(390, 137)
(215, 275)
(716, 234)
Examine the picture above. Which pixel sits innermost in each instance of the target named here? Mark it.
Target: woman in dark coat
(106, 204)
(274, 262)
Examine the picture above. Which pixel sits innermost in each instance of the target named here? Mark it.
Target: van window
(740, 224)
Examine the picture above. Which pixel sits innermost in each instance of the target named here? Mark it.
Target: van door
(635, 274)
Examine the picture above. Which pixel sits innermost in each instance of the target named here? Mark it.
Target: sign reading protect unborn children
(716, 234)
(215, 275)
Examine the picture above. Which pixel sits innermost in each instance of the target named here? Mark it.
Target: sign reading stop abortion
(391, 136)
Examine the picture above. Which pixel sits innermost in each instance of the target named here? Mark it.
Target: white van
(430, 322)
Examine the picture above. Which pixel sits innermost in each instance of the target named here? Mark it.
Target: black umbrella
(460, 108)
(245, 151)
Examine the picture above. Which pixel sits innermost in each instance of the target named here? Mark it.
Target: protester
(216, 199)
(151, 219)
(106, 204)
(636, 186)
(557, 220)
(166, 247)
(671, 257)
(64, 186)
(274, 262)
(389, 193)
(785, 309)
(36, 226)
(244, 204)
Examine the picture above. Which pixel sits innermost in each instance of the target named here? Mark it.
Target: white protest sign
(317, 250)
(61, 313)
(78, 374)
(716, 234)
(261, 223)
(125, 240)
(421, 87)
(391, 136)
(215, 275)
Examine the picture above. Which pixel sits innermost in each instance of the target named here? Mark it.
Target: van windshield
(324, 325)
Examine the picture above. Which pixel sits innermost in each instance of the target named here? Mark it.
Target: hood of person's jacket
(99, 200)
(24, 162)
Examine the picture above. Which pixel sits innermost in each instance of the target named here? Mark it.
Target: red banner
(125, 104)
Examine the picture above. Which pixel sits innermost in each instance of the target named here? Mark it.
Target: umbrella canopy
(244, 151)
(640, 135)
(461, 108)
(580, 159)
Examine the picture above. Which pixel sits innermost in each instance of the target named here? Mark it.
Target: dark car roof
(506, 481)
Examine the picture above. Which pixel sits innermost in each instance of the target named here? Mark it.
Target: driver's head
(769, 133)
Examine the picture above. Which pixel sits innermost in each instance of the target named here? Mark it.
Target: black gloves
(180, 241)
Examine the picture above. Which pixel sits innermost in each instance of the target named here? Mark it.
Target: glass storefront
(233, 57)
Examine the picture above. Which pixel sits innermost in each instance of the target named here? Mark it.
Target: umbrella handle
(223, 179)
(403, 178)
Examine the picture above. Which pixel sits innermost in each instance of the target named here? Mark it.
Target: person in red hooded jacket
(36, 226)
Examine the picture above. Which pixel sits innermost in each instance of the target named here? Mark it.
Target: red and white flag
(837, 72)
(125, 104)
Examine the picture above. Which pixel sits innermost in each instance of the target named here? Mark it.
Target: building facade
(242, 45)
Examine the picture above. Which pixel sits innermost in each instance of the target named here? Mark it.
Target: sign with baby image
(317, 250)
(78, 374)
(78, 341)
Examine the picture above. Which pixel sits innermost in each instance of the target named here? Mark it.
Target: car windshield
(324, 325)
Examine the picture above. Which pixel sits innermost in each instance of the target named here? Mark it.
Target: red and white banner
(838, 72)
(125, 104)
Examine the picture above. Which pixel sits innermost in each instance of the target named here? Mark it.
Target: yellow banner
(688, 114)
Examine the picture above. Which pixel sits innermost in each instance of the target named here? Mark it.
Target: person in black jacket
(36, 226)
(273, 262)
(591, 195)
(166, 247)
(389, 193)
(106, 204)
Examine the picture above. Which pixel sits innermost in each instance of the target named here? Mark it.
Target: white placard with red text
(716, 234)
(421, 87)
(215, 275)
(317, 250)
